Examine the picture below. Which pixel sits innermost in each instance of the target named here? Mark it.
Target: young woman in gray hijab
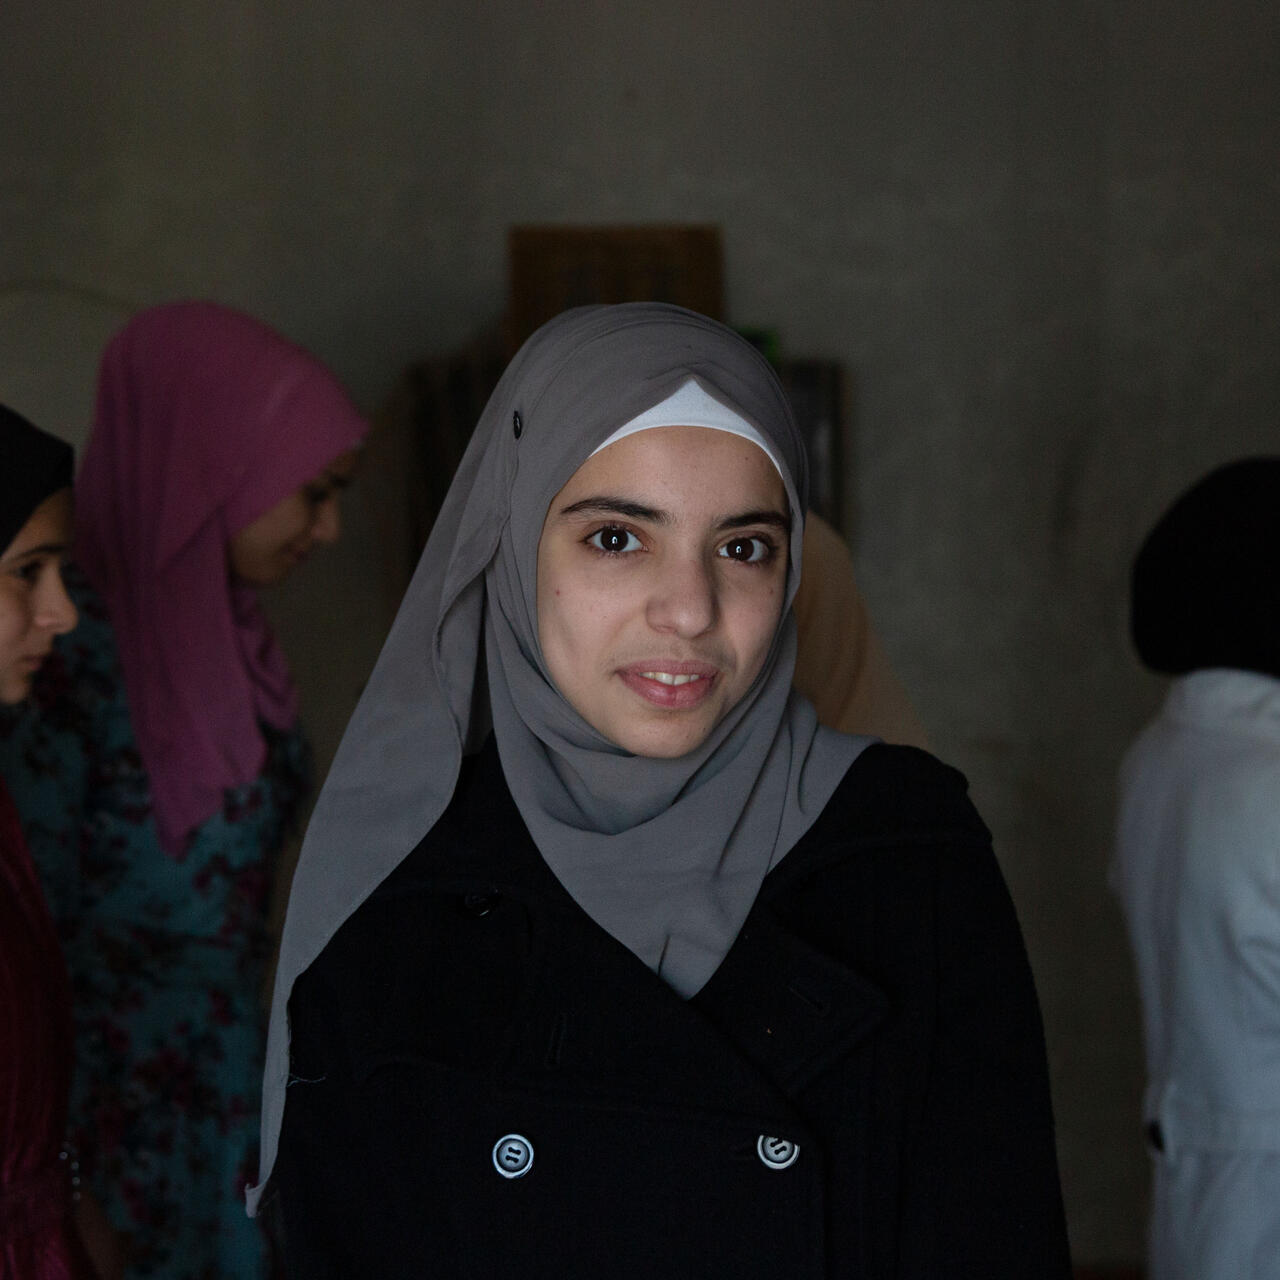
(602, 957)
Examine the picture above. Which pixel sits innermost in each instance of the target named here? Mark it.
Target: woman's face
(34, 606)
(662, 572)
(268, 550)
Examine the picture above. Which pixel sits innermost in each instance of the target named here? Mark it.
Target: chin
(13, 689)
(666, 742)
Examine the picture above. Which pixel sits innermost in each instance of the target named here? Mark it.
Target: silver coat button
(513, 1155)
(776, 1153)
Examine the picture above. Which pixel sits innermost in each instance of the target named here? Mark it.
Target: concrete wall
(1045, 239)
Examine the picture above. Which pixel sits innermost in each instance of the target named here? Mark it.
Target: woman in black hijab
(37, 1181)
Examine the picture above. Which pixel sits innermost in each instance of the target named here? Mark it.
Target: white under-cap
(691, 406)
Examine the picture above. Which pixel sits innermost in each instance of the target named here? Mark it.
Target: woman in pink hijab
(158, 765)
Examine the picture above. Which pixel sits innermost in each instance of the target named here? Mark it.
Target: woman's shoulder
(901, 793)
(900, 813)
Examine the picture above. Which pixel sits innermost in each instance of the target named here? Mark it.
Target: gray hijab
(666, 855)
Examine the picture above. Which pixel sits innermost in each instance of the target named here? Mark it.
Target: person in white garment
(1197, 866)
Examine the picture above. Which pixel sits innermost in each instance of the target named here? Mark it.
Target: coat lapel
(775, 1015)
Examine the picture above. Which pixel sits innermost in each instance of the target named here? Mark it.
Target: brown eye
(747, 550)
(614, 540)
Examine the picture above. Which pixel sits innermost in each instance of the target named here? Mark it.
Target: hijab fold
(205, 420)
(666, 855)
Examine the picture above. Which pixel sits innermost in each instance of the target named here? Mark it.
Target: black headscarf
(1206, 582)
(33, 465)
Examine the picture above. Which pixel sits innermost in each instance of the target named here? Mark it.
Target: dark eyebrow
(604, 505)
(773, 518)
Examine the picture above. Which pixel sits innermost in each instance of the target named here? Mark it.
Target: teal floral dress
(166, 955)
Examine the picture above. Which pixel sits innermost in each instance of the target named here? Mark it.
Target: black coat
(859, 1091)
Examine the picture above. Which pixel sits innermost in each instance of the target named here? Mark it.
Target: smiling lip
(674, 686)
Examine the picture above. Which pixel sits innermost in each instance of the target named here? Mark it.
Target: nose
(327, 525)
(684, 600)
(54, 610)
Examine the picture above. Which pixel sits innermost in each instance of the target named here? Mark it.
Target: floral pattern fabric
(166, 956)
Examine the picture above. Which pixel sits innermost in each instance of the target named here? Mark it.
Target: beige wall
(1044, 237)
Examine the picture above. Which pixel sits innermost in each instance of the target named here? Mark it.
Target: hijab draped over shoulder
(667, 855)
(205, 420)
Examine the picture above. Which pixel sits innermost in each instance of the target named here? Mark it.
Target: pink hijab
(205, 420)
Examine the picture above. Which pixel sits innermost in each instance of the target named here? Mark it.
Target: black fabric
(1205, 587)
(33, 466)
(877, 1009)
